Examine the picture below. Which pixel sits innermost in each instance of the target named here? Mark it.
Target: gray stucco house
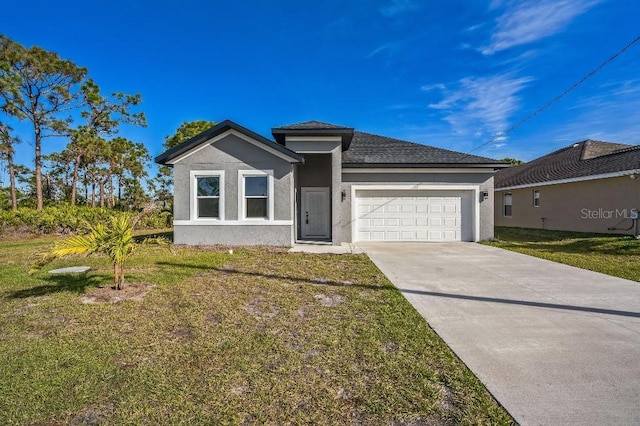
(325, 183)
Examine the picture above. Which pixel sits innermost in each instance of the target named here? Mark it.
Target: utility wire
(556, 99)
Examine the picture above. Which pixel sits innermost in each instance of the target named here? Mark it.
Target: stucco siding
(587, 206)
(233, 235)
(232, 154)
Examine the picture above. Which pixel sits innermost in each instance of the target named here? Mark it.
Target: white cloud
(528, 21)
(398, 7)
(605, 115)
(483, 104)
(429, 87)
(387, 49)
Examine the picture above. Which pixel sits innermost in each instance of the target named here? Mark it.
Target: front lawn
(257, 336)
(609, 254)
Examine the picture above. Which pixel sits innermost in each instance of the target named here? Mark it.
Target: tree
(114, 239)
(186, 131)
(512, 161)
(6, 153)
(103, 117)
(38, 86)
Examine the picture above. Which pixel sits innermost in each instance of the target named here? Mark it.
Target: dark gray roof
(581, 159)
(313, 128)
(219, 129)
(311, 125)
(369, 150)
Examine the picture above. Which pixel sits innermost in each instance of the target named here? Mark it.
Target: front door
(315, 214)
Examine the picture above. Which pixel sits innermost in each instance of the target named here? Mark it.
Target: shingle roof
(586, 158)
(311, 125)
(372, 150)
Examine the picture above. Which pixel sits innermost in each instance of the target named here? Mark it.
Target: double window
(507, 204)
(255, 195)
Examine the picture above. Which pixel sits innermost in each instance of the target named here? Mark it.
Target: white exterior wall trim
(312, 139)
(232, 222)
(193, 195)
(571, 180)
(242, 206)
(475, 189)
(242, 136)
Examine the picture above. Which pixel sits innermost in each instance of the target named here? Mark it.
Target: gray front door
(315, 215)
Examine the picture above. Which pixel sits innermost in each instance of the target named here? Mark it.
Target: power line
(557, 98)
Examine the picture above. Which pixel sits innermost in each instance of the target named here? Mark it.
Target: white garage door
(392, 215)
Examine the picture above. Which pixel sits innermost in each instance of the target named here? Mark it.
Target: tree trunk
(93, 194)
(121, 277)
(38, 164)
(12, 182)
(74, 180)
(119, 190)
(49, 191)
(113, 193)
(101, 186)
(116, 275)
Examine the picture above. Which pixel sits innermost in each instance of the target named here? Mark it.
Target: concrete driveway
(554, 344)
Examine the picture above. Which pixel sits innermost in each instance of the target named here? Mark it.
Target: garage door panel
(415, 215)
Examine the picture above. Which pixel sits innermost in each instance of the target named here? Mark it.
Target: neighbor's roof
(582, 159)
(218, 129)
(369, 150)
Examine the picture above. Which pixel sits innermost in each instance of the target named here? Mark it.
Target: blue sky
(445, 73)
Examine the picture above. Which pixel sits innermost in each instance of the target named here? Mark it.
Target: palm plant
(115, 240)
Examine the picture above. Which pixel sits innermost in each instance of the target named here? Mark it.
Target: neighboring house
(322, 182)
(590, 186)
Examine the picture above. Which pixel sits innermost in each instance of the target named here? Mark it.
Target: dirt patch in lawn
(133, 291)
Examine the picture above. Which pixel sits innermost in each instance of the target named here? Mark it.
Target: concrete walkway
(554, 344)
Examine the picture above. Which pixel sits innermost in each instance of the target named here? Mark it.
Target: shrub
(65, 219)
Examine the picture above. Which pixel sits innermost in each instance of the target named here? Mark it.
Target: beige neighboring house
(590, 186)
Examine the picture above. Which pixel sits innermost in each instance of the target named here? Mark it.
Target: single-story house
(325, 183)
(589, 186)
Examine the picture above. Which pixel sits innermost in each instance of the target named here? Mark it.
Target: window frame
(536, 198)
(194, 175)
(242, 199)
(504, 205)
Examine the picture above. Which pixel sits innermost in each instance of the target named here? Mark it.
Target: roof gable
(174, 154)
(579, 160)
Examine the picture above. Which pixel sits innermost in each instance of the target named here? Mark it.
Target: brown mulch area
(131, 291)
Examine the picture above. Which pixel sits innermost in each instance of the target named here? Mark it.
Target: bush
(65, 219)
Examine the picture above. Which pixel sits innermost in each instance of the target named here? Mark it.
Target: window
(507, 203)
(256, 194)
(207, 192)
(536, 198)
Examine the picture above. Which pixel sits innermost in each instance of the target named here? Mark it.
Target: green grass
(614, 255)
(241, 338)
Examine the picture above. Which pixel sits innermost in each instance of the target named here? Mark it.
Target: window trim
(242, 204)
(193, 179)
(536, 198)
(504, 204)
